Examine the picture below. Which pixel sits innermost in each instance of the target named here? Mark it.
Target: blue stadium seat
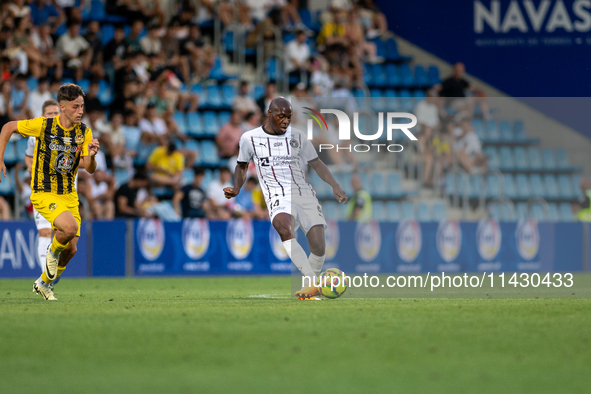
(551, 187)
(537, 189)
(439, 212)
(505, 131)
(408, 210)
(228, 95)
(194, 124)
(378, 212)
(522, 184)
(395, 185)
(179, 118)
(423, 212)
(434, 78)
(507, 162)
(211, 125)
(522, 211)
(537, 212)
(520, 158)
(421, 79)
(548, 159)
(509, 188)
(393, 79)
(553, 214)
(493, 157)
(406, 78)
(535, 160)
(566, 213)
(393, 211)
(562, 159)
(566, 187)
(492, 130)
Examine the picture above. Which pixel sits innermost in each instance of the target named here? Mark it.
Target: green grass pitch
(209, 335)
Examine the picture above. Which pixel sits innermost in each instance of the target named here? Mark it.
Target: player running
(63, 145)
(278, 151)
(50, 109)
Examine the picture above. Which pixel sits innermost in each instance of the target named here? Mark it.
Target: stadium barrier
(150, 247)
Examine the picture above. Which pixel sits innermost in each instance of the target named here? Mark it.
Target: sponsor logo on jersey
(196, 237)
(488, 239)
(79, 138)
(277, 245)
(527, 238)
(64, 162)
(150, 237)
(332, 237)
(449, 240)
(368, 240)
(240, 237)
(409, 240)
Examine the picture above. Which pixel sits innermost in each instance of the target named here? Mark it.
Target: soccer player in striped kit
(278, 152)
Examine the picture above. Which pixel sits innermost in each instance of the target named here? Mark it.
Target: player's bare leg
(285, 225)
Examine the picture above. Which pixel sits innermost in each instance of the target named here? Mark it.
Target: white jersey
(278, 159)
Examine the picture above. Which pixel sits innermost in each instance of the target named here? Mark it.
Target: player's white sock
(42, 250)
(316, 262)
(299, 258)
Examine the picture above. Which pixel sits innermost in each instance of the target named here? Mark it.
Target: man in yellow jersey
(63, 145)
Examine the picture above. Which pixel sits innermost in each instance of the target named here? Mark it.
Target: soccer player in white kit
(278, 151)
(50, 109)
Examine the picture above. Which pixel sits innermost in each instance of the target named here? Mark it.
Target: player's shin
(299, 258)
(316, 262)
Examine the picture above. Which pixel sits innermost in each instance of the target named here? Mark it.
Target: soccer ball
(336, 277)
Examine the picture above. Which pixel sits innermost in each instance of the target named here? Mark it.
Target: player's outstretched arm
(7, 130)
(325, 174)
(239, 179)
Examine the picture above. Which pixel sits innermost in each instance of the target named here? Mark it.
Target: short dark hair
(49, 103)
(69, 92)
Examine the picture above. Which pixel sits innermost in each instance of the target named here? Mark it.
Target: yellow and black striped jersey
(57, 153)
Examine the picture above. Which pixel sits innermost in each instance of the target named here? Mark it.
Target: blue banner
(18, 252)
(524, 48)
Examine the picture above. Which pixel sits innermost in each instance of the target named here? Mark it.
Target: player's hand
(229, 192)
(2, 169)
(93, 147)
(340, 194)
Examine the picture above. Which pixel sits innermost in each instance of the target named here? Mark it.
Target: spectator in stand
(191, 201)
(468, 148)
(297, 57)
(244, 103)
(427, 113)
(43, 43)
(74, 50)
(196, 55)
(5, 103)
(455, 88)
(38, 96)
(93, 37)
(91, 100)
(43, 11)
(150, 43)
(359, 207)
(166, 164)
(228, 137)
(215, 192)
(270, 94)
(20, 98)
(127, 203)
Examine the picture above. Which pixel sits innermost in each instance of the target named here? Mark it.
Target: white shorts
(40, 221)
(306, 211)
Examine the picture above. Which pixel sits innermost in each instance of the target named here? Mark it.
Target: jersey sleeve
(245, 150)
(30, 146)
(87, 140)
(308, 152)
(31, 127)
